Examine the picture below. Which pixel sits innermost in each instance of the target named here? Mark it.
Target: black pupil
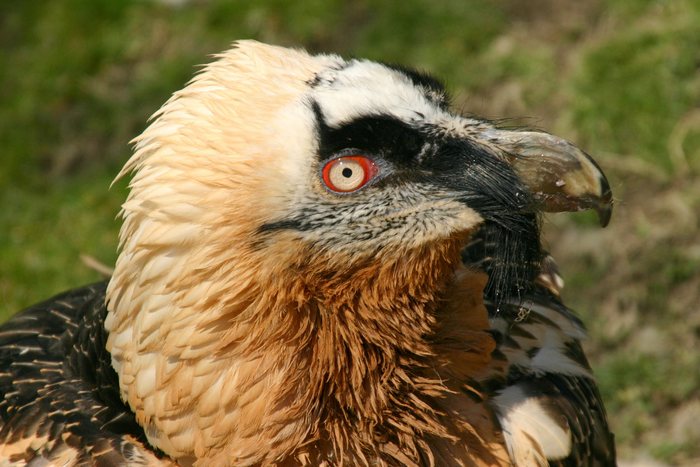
(347, 172)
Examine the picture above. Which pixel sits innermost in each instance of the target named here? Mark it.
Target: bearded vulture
(320, 264)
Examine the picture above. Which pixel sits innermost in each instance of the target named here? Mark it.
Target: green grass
(648, 68)
(619, 77)
(41, 242)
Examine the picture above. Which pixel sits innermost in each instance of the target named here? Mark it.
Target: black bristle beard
(510, 253)
(507, 244)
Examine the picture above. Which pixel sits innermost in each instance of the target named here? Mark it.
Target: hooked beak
(559, 176)
(539, 172)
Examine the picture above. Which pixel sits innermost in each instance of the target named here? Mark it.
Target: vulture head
(293, 233)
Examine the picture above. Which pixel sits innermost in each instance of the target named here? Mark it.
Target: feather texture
(60, 402)
(257, 317)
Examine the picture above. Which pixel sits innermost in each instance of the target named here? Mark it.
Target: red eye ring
(348, 173)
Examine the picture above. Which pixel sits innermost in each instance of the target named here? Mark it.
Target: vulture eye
(349, 173)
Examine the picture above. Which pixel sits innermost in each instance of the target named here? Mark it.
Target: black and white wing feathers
(59, 394)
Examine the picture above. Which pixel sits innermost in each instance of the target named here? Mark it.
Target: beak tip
(604, 214)
(605, 204)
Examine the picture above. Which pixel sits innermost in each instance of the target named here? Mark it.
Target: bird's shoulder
(543, 391)
(59, 399)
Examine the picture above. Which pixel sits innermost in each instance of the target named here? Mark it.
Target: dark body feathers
(574, 401)
(57, 383)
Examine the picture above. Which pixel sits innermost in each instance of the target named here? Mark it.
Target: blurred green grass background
(621, 78)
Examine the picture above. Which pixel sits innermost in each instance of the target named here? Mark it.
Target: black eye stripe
(382, 135)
